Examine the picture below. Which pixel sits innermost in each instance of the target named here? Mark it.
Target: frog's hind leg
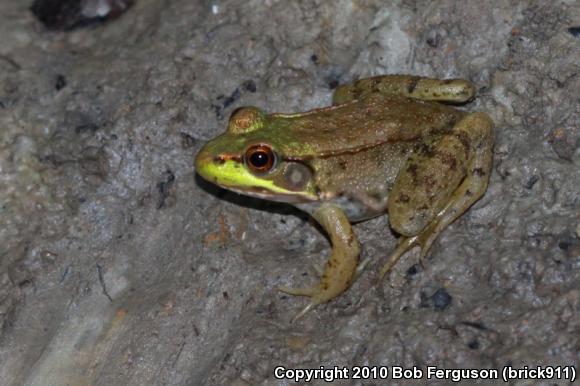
(435, 188)
(341, 268)
(440, 90)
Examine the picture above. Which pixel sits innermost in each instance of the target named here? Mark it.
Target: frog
(395, 145)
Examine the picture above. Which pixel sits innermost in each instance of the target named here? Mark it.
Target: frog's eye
(260, 158)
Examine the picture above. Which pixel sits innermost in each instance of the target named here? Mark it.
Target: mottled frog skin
(386, 145)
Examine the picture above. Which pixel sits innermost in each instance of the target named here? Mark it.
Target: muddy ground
(119, 267)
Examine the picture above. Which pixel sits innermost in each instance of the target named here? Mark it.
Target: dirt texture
(119, 267)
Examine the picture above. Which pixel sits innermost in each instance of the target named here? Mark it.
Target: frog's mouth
(265, 194)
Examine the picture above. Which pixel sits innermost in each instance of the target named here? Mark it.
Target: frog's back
(371, 121)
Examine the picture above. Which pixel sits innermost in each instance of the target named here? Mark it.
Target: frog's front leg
(440, 90)
(440, 182)
(341, 267)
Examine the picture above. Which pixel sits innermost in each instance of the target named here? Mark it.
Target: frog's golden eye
(260, 158)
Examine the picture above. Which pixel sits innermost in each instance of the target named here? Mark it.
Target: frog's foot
(314, 290)
(316, 294)
(424, 240)
(341, 267)
(405, 244)
(307, 291)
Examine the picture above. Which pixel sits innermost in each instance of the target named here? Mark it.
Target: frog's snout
(203, 162)
(215, 166)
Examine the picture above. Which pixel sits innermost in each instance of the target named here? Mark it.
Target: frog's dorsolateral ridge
(385, 146)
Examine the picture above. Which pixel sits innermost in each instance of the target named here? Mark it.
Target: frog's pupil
(259, 159)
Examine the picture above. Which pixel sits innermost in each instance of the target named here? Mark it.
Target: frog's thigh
(443, 181)
(476, 132)
(426, 183)
(444, 90)
(478, 127)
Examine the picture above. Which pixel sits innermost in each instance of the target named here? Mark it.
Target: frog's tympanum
(387, 145)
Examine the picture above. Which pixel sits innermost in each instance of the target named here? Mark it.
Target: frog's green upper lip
(229, 172)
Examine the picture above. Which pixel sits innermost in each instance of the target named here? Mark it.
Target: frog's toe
(361, 267)
(306, 291)
(317, 269)
(311, 292)
(405, 244)
(425, 246)
(304, 311)
(424, 240)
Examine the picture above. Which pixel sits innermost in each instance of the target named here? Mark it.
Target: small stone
(441, 299)
(246, 375)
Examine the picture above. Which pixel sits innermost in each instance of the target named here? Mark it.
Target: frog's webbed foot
(341, 268)
(424, 240)
(307, 291)
(316, 293)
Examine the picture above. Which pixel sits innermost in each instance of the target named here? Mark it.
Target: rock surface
(119, 267)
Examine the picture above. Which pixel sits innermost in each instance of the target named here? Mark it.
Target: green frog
(389, 144)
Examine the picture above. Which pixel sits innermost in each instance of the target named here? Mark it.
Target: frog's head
(252, 158)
